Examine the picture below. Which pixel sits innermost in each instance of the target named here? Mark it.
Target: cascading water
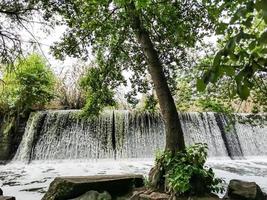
(32, 128)
(52, 135)
(114, 134)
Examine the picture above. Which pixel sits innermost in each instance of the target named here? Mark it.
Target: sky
(45, 37)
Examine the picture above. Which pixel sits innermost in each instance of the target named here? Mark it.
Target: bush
(186, 173)
(98, 93)
(29, 85)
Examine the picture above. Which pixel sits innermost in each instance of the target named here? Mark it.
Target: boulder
(63, 188)
(94, 195)
(242, 190)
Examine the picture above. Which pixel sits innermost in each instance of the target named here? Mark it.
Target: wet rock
(7, 198)
(63, 188)
(242, 190)
(94, 195)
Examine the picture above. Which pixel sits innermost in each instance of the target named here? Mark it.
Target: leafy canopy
(104, 28)
(243, 52)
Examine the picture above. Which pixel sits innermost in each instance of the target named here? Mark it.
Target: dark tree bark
(174, 134)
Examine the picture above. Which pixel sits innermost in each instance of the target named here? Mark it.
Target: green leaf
(229, 70)
(217, 58)
(201, 86)
(263, 51)
(264, 13)
(214, 75)
(220, 29)
(262, 61)
(234, 57)
(263, 37)
(261, 5)
(243, 91)
(230, 46)
(252, 45)
(248, 22)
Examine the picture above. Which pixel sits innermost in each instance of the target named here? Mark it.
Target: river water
(30, 181)
(61, 143)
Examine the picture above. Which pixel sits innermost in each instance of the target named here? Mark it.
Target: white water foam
(17, 178)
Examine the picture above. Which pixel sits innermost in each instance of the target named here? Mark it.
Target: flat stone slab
(64, 188)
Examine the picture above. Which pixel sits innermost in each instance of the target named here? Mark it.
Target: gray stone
(63, 188)
(242, 190)
(94, 195)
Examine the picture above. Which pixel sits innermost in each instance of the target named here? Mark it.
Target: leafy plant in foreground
(186, 173)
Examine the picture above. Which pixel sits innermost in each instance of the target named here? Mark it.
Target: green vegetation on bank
(27, 85)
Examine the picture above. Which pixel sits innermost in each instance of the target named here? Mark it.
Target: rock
(149, 196)
(94, 195)
(155, 196)
(1, 192)
(63, 188)
(242, 190)
(7, 198)
(199, 198)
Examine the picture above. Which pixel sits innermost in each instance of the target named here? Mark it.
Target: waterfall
(203, 128)
(52, 135)
(24, 150)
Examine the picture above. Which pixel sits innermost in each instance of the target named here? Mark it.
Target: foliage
(215, 98)
(98, 93)
(186, 173)
(213, 104)
(148, 103)
(242, 54)
(218, 96)
(107, 27)
(30, 85)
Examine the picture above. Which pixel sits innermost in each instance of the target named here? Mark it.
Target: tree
(138, 36)
(29, 85)
(243, 50)
(13, 15)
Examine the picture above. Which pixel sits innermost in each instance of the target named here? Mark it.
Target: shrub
(29, 85)
(98, 93)
(186, 173)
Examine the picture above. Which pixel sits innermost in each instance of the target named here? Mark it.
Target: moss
(10, 136)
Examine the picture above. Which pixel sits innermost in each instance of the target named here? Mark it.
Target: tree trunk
(174, 134)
